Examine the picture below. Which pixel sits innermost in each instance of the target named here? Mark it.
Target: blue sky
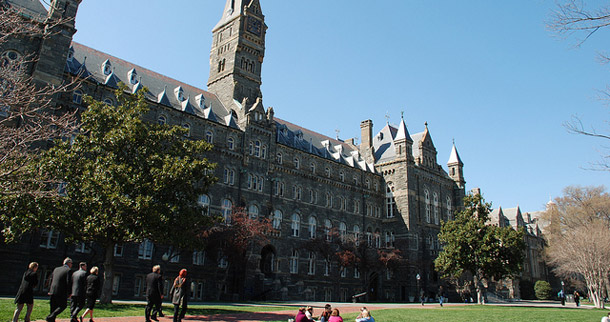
(485, 73)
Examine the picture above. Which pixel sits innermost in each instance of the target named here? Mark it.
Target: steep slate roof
(383, 144)
(514, 216)
(323, 146)
(454, 157)
(32, 8)
(88, 62)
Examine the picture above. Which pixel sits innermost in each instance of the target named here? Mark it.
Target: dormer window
(133, 76)
(107, 67)
(200, 99)
(299, 135)
(70, 54)
(179, 93)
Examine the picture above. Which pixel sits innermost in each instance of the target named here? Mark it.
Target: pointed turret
(456, 166)
(402, 141)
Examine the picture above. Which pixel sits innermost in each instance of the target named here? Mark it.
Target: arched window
(294, 262)
(162, 120)
(449, 210)
(313, 225)
(327, 172)
(187, 126)
(342, 176)
(253, 212)
(377, 239)
(204, 202)
(108, 102)
(311, 264)
(312, 167)
(226, 208)
(329, 200)
(209, 137)
(367, 183)
(342, 231)
(264, 152)
(278, 158)
(390, 203)
(369, 237)
(427, 199)
(297, 162)
(231, 143)
(328, 226)
(277, 219)
(326, 267)
(357, 234)
(295, 225)
(436, 208)
(257, 148)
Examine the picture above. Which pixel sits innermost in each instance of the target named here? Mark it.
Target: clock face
(254, 26)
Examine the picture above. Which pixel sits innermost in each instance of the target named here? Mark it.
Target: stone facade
(390, 191)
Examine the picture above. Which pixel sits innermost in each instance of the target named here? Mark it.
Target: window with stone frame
(311, 264)
(449, 209)
(328, 227)
(327, 172)
(294, 262)
(356, 272)
(343, 271)
(341, 176)
(226, 209)
(199, 257)
(297, 162)
(145, 251)
(390, 202)
(231, 143)
(118, 250)
(313, 226)
(356, 206)
(257, 148)
(278, 158)
(326, 267)
(162, 120)
(209, 137)
(253, 212)
(329, 200)
(377, 238)
(77, 97)
(312, 167)
(342, 231)
(367, 183)
(427, 202)
(204, 203)
(369, 237)
(49, 239)
(295, 225)
(357, 236)
(278, 188)
(436, 208)
(277, 219)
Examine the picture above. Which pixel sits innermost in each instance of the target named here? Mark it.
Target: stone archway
(268, 255)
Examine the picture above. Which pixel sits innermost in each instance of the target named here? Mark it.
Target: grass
(41, 309)
(469, 313)
(484, 313)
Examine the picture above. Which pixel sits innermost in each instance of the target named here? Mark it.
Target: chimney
(366, 134)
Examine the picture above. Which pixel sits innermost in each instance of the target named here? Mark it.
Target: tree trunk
(106, 296)
(480, 290)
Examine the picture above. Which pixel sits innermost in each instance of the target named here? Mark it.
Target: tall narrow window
(204, 202)
(277, 219)
(295, 225)
(312, 227)
(427, 199)
(146, 249)
(294, 262)
(328, 230)
(253, 212)
(342, 231)
(436, 208)
(390, 203)
(227, 208)
(231, 143)
(311, 264)
(449, 210)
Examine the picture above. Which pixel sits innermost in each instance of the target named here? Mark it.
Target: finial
(426, 124)
(337, 131)
(402, 114)
(453, 141)
(387, 117)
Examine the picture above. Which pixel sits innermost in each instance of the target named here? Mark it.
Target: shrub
(543, 290)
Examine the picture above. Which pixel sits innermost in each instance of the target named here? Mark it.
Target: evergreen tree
(473, 247)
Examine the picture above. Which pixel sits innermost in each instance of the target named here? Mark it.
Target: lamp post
(563, 295)
(418, 277)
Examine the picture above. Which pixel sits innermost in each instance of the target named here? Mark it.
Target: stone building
(390, 191)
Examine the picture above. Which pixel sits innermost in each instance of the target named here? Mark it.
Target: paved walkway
(288, 314)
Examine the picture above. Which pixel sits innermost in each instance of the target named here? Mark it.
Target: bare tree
(29, 115)
(579, 238)
(572, 18)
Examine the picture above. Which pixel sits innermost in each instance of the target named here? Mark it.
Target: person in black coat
(25, 294)
(93, 291)
(154, 293)
(180, 295)
(79, 283)
(61, 281)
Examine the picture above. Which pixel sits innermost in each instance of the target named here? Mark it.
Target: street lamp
(418, 277)
(563, 295)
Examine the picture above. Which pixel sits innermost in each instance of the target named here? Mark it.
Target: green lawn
(41, 309)
(483, 313)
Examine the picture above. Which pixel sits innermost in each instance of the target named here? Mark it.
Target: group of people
(81, 288)
(305, 314)
(154, 295)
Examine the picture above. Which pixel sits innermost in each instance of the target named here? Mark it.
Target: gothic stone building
(389, 190)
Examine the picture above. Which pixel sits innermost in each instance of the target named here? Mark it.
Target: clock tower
(236, 58)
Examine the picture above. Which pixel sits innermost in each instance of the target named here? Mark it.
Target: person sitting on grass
(335, 317)
(301, 317)
(364, 316)
(606, 318)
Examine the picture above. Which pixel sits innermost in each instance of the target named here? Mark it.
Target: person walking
(180, 295)
(25, 294)
(562, 297)
(576, 298)
(60, 289)
(92, 292)
(154, 293)
(79, 285)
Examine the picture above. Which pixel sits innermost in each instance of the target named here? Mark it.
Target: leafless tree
(572, 18)
(579, 238)
(29, 114)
